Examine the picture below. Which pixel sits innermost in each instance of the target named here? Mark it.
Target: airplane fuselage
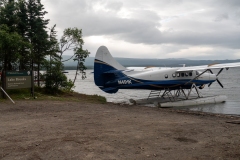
(159, 78)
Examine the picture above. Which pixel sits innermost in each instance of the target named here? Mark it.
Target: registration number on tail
(124, 81)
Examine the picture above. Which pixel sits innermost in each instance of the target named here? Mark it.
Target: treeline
(26, 42)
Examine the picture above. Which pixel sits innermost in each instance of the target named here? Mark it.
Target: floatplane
(168, 86)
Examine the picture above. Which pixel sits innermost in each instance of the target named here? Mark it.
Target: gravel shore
(75, 130)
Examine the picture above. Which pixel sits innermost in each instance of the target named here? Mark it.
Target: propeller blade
(210, 71)
(220, 71)
(219, 83)
(209, 84)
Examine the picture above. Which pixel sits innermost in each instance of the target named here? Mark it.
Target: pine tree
(53, 44)
(10, 45)
(8, 15)
(8, 21)
(22, 26)
(37, 33)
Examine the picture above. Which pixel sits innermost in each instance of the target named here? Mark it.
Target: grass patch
(95, 98)
(25, 94)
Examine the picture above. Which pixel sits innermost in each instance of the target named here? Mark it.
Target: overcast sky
(205, 29)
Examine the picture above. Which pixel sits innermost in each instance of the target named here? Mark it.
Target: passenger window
(166, 76)
(186, 74)
(182, 74)
(174, 75)
(190, 73)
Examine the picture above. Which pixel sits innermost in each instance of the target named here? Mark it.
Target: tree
(10, 44)
(56, 80)
(25, 42)
(37, 33)
(22, 27)
(54, 77)
(53, 45)
(2, 3)
(80, 56)
(8, 15)
(72, 40)
(8, 20)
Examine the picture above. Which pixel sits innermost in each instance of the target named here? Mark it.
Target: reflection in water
(230, 79)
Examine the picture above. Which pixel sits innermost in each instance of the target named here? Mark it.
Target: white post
(7, 95)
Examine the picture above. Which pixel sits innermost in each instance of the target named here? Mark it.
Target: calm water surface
(230, 79)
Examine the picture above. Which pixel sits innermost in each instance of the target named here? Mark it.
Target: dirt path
(71, 130)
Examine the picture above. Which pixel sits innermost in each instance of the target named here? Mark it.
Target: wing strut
(196, 77)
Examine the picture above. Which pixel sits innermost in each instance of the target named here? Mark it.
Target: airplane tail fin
(105, 69)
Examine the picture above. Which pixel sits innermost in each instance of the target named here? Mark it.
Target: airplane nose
(212, 77)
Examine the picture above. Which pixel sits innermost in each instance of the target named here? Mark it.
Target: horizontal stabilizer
(117, 73)
(109, 89)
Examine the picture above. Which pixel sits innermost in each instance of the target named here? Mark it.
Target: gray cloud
(116, 6)
(212, 23)
(222, 17)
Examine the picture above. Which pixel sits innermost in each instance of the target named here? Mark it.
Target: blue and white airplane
(110, 76)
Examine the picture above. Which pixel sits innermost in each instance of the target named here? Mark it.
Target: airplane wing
(144, 68)
(135, 68)
(210, 66)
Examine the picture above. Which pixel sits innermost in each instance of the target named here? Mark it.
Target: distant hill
(137, 62)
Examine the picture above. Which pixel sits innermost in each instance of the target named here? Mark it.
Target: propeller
(209, 84)
(220, 72)
(220, 83)
(212, 73)
(217, 77)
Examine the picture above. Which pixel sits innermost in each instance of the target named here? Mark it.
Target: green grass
(39, 94)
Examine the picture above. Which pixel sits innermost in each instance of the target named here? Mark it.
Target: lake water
(230, 80)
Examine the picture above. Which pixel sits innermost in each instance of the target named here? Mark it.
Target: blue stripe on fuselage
(127, 83)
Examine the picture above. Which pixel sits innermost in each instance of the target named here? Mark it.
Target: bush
(55, 80)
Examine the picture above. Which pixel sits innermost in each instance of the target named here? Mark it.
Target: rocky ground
(75, 130)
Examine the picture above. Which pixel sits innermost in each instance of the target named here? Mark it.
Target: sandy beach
(75, 130)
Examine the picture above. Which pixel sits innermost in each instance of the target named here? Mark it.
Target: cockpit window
(178, 74)
(190, 73)
(197, 73)
(182, 74)
(186, 74)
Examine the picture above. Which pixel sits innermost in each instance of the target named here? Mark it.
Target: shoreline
(182, 111)
(170, 109)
